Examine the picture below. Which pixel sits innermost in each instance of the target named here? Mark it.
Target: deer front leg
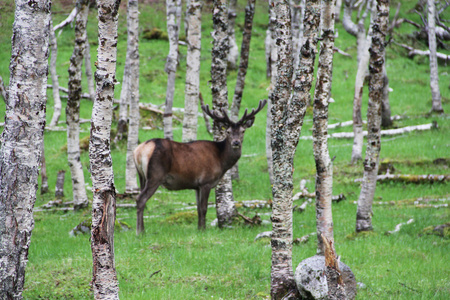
(146, 193)
(202, 205)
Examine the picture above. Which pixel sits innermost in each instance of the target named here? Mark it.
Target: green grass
(172, 260)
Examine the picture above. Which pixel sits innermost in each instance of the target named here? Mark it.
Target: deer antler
(246, 117)
(215, 116)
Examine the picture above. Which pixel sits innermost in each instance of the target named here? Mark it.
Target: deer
(196, 165)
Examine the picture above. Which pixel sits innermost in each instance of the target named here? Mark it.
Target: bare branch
(68, 20)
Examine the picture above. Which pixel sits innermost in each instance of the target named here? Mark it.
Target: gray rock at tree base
(312, 283)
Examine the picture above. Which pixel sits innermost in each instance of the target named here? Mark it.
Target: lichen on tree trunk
(104, 279)
(376, 85)
(21, 140)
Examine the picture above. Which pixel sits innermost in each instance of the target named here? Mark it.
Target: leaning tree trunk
(233, 52)
(80, 198)
(322, 94)
(225, 206)
(242, 72)
(131, 185)
(173, 29)
(104, 281)
(54, 75)
(192, 88)
(21, 141)
(376, 84)
(436, 105)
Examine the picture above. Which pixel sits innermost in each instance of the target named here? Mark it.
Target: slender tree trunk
(131, 185)
(80, 198)
(225, 206)
(122, 123)
(386, 121)
(22, 138)
(54, 75)
(233, 52)
(104, 281)
(436, 105)
(337, 11)
(298, 12)
(192, 88)
(242, 72)
(44, 178)
(324, 165)
(173, 29)
(88, 70)
(271, 58)
(376, 84)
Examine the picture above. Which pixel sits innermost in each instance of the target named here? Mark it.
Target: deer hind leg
(202, 206)
(146, 192)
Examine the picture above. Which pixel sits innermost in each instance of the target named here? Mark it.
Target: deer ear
(249, 123)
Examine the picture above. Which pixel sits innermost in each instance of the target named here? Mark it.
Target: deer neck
(229, 154)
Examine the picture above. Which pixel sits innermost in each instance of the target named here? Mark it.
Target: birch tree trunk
(225, 206)
(104, 281)
(287, 117)
(242, 72)
(131, 186)
(324, 165)
(376, 84)
(21, 141)
(192, 88)
(173, 29)
(233, 52)
(122, 123)
(88, 70)
(436, 104)
(80, 198)
(386, 120)
(54, 75)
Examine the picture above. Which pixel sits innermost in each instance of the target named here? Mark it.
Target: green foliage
(172, 260)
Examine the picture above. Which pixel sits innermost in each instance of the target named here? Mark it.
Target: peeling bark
(376, 85)
(224, 192)
(131, 185)
(54, 75)
(104, 279)
(80, 198)
(21, 140)
(324, 165)
(192, 88)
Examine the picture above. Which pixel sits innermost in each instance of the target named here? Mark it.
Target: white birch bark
(88, 70)
(436, 104)
(225, 206)
(21, 141)
(324, 165)
(192, 87)
(104, 281)
(131, 185)
(80, 199)
(233, 52)
(173, 29)
(55, 82)
(376, 84)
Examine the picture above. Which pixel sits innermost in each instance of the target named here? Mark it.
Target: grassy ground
(175, 261)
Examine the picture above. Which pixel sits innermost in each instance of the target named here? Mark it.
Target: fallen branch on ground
(413, 52)
(397, 228)
(256, 220)
(304, 239)
(410, 178)
(350, 135)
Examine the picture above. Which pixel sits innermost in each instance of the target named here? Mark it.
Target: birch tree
(21, 141)
(287, 117)
(131, 185)
(192, 87)
(322, 94)
(88, 70)
(242, 71)
(376, 84)
(173, 29)
(55, 82)
(80, 198)
(225, 206)
(233, 52)
(436, 104)
(104, 281)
